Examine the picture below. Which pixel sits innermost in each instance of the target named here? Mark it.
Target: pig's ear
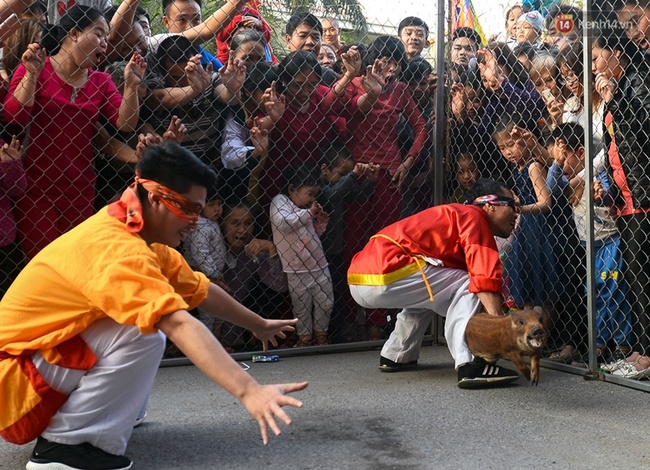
(543, 315)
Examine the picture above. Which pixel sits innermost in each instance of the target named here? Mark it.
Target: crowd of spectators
(319, 148)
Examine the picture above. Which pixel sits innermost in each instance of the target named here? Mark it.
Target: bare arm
(199, 80)
(544, 201)
(113, 147)
(129, 111)
(34, 60)
(220, 304)
(491, 302)
(215, 23)
(7, 7)
(121, 24)
(263, 402)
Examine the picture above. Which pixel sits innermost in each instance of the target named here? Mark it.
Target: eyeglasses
(495, 200)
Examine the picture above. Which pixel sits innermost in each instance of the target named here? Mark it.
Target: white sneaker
(628, 371)
(610, 367)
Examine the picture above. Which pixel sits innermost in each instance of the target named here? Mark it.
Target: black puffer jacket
(630, 108)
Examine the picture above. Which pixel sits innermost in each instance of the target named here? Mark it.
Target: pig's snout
(536, 337)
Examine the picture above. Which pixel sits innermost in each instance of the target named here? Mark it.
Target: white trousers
(312, 300)
(452, 300)
(105, 401)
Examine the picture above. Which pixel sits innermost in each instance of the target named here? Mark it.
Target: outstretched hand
(491, 74)
(351, 62)
(176, 131)
(233, 74)
(265, 402)
(373, 81)
(272, 329)
(134, 71)
(145, 141)
(274, 103)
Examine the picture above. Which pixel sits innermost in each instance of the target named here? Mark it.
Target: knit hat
(534, 18)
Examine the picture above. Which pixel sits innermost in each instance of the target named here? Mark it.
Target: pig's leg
(534, 369)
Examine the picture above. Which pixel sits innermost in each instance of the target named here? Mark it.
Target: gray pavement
(356, 417)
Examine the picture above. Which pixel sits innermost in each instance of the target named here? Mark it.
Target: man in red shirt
(442, 260)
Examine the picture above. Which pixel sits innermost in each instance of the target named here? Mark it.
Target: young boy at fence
(529, 28)
(342, 181)
(414, 34)
(613, 313)
(466, 173)
(297, 222)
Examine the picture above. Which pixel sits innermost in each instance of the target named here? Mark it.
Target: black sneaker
(52, 456)
(478, 374)
(386, 365)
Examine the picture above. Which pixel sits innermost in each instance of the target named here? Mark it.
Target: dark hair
(304, 174)
(416, 69)
(509, 10)
(468, 33)
(294, 63)
(77, 17)
(259, 76)
(109, 12)
(483, 187)
(334, 152)
(36, 8)
(467, 150)
(214, 193)
(386, 46)
(229, 207)
(244, 36)
(116, 71)
(524, 48)
(16, 44)
(166, 3)
(507, 122)
(572, 133)
(412, 21)
(175, 167)
(571, 57)
(306, 18)
(615, 38)
(174, 50)
(139, 11)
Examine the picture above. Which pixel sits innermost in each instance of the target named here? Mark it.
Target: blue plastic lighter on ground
(265, 358)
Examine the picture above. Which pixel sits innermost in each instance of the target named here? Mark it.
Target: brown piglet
(521, 333)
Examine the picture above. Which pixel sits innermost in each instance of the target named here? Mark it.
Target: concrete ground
(356, 417)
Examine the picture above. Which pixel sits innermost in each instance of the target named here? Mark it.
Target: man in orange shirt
(442, 260)
(81, 328)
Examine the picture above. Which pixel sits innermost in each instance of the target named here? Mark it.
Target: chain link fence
(322, 130)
